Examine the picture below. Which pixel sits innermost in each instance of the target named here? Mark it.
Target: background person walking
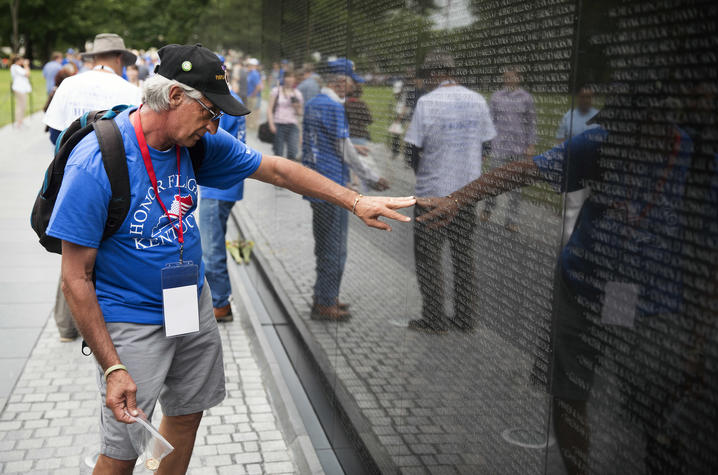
(285, 107)
(21, 87)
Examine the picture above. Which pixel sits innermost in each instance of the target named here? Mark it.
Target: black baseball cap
(200, 68)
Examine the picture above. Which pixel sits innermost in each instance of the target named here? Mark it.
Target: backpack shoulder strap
(115, 161)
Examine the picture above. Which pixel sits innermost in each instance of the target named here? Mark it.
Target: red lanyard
(144, 149)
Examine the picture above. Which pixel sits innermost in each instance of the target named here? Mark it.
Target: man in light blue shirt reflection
(575, 121)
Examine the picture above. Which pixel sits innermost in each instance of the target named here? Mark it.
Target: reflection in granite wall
(553, 308)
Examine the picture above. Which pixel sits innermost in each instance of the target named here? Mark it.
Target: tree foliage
(46, 25)
(274, 29)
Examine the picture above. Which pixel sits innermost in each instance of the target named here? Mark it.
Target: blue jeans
(330, 225)
(287, 134)
(213, 216)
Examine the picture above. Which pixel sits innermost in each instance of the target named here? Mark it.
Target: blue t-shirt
(49, 71)
(323, 126)
(628, 230)
(236, 127)
(253, 79)
(129, 262)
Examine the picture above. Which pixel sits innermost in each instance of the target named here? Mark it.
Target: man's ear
(176, 96)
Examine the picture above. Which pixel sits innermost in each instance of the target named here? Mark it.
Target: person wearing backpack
(138, 295)
(101, 88)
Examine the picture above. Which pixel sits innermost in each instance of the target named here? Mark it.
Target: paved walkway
(48, 397)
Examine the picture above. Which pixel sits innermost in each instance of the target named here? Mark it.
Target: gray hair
(156, 92)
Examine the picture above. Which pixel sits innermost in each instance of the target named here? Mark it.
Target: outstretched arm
(288, 174)
(499, 180)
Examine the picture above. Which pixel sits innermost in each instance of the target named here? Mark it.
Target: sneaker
(511, 227)
(68, 339)
(426, 326)
(329, 313)
(223, 314)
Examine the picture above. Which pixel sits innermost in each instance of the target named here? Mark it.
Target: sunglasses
(212, 114)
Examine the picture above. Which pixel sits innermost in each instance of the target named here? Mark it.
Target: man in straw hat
(148, 315)
(101, 88)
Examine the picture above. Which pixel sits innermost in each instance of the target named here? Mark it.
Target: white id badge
(619, 304)
(179, 298)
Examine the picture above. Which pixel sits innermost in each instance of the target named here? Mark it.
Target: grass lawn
(36, 100)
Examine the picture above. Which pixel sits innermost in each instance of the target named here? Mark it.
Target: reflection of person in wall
(575, 121)
(359, 118)
(445, 138)
(514, 116)
(326, 148)
(409, 93)
(619, 285)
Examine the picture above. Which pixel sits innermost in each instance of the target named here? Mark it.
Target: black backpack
(114, 160)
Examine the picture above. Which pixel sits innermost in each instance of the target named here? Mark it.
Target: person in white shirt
(445, 138)
(574, 122)
(101, 88)
(21, 87)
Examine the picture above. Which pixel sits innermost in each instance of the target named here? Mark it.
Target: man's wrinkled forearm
(79, 290)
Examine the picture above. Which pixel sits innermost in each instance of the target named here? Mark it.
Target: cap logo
(186, 66)
(219, 77)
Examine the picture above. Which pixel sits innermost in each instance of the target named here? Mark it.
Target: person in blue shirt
(71, 57)
(215, 205)
(50, 70)
(634, 280)
(149, 276)
(254, 91)
(328, 150)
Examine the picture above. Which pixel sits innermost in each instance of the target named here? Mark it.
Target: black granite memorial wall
(557, 312)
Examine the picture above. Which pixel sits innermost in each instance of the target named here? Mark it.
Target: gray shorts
(185, 373)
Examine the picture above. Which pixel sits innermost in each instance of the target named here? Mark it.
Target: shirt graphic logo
(161, 229)
(179, 202)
